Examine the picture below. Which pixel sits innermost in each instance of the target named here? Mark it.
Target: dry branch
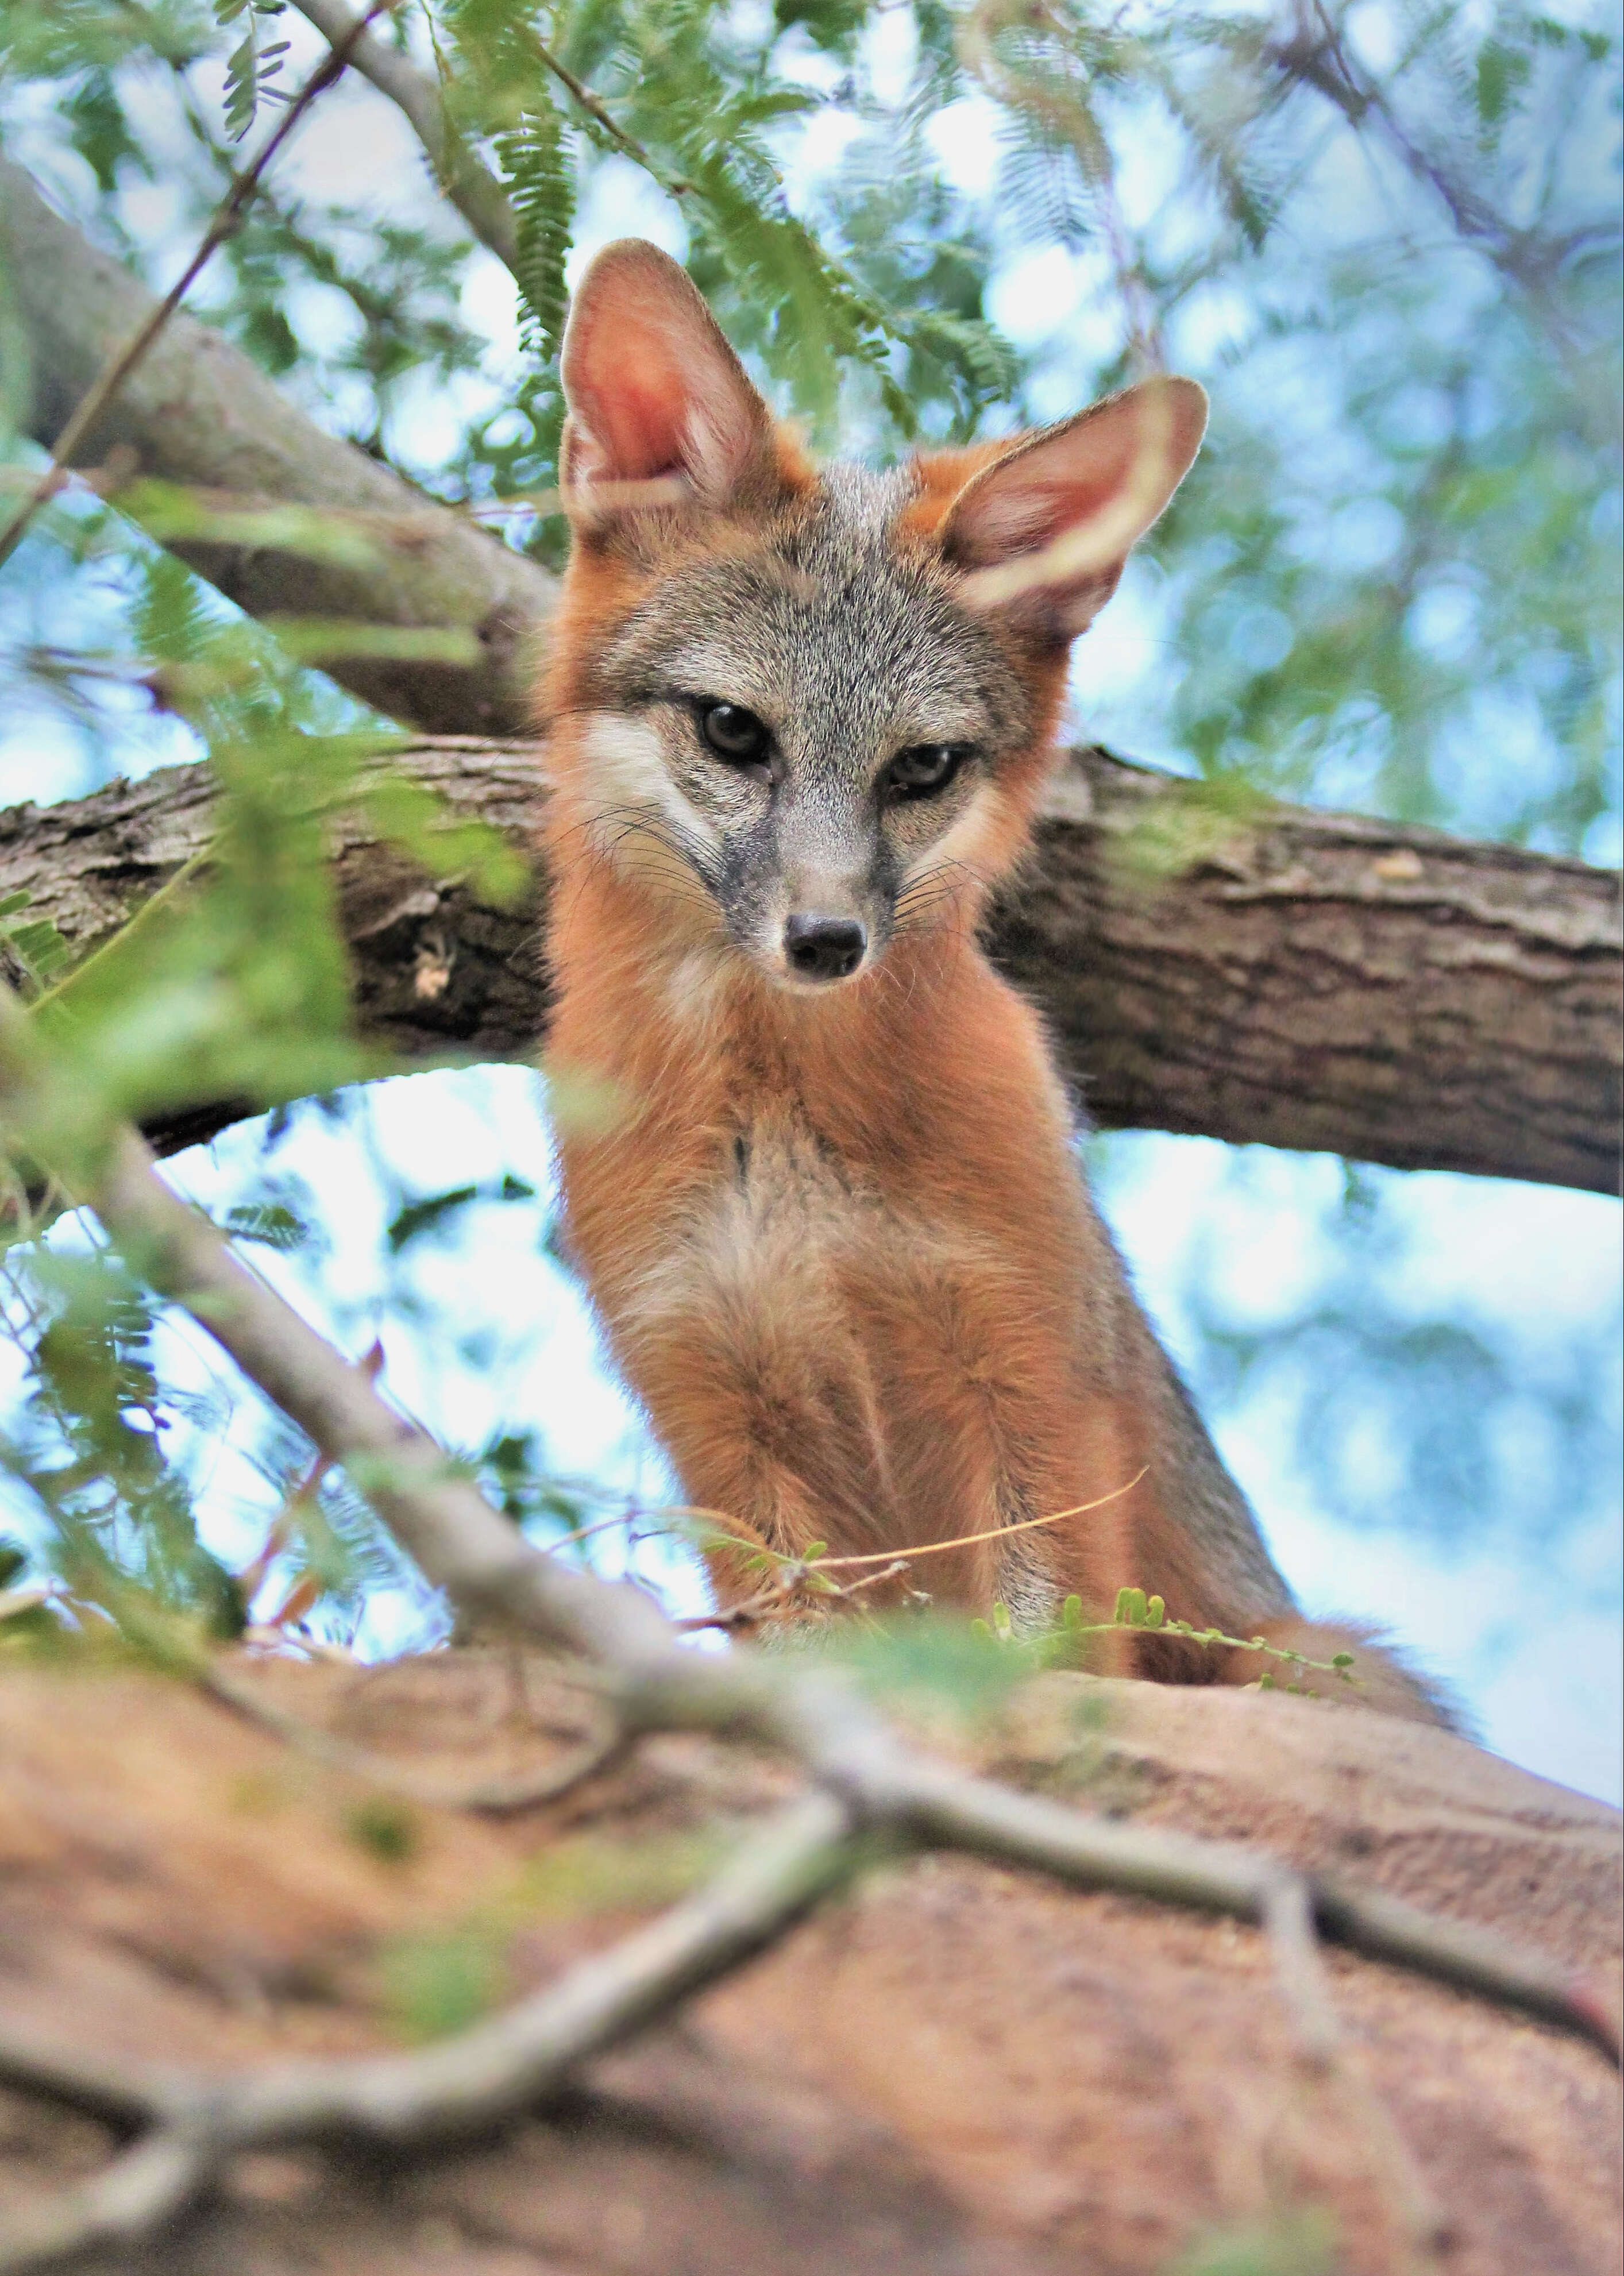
(199, 411)
(1311, 980)
(497, 1797)
(478, 196)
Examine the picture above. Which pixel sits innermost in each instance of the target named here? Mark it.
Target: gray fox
(836, 1232)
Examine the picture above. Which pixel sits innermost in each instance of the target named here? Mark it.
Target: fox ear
(1045, 531)
(653, 388)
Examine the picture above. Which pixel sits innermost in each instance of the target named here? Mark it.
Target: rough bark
(199, 411)
(1304, 979)
(1326, 981)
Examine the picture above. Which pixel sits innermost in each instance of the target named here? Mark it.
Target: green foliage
(932, 1661)
(86, 1448)
(441, 1981)
(432, 1986)
(541, 189)
(1300, 2244)
(33, 944)
(253, 64)
(272, 1224)
(430, 1211)
(385, 1828)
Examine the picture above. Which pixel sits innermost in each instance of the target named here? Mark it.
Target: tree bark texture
(199, 411)
(1302, 979)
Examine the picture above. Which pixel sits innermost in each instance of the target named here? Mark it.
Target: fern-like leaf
(540, 189)
(250, 67)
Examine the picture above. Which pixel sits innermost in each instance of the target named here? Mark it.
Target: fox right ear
(653, 390)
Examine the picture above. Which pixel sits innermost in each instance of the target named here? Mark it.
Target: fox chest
(788, 1281)
(781, 1240)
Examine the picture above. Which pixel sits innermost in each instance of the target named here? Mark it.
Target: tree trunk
(1302, 979)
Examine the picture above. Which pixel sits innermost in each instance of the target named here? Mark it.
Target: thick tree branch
(1302, 979)
(199, 411)
(90, 412)
(1308, 980)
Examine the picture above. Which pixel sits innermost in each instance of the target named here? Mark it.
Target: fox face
(810, 725)
(811, 710)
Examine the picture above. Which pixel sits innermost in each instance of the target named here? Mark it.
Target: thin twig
(1316, 56)
(1289, 1917)
(596, 108)
(128, 2203)
(993, 1533)
(741, 1534)
(1069, 115)
(227, 220)
(1300, 1978)
(780, 1593)
(456, 2089)
(472, 189)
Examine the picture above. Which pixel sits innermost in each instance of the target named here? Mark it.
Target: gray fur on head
(849, 650)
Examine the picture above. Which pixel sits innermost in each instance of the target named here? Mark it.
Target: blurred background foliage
(1386, 235)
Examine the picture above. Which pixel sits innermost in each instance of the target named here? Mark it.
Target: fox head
(812, 710)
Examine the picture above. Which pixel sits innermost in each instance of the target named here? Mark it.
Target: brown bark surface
(1304, 979)
(954, 2071)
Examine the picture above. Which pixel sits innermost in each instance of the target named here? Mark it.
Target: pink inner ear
(1016, 515)
(632, 400)
(653, 387)
(1095, 467)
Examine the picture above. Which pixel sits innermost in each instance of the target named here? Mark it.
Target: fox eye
(734, 734)
(923, 769)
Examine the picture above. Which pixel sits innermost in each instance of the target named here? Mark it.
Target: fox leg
(780, 1436)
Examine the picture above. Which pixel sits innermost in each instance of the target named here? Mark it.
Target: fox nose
(824, 948)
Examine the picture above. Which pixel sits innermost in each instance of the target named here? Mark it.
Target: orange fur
(941, 475)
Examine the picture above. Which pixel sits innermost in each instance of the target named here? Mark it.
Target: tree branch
(1301, 979)
(1308, 980)
(199, 411)
(1315, 55)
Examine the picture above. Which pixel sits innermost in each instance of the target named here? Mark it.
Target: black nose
(824, 948)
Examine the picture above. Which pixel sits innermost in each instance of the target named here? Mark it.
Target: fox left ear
(1045, 531)
(653, 391)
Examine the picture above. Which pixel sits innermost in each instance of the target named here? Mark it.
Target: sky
(1522, 1620)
